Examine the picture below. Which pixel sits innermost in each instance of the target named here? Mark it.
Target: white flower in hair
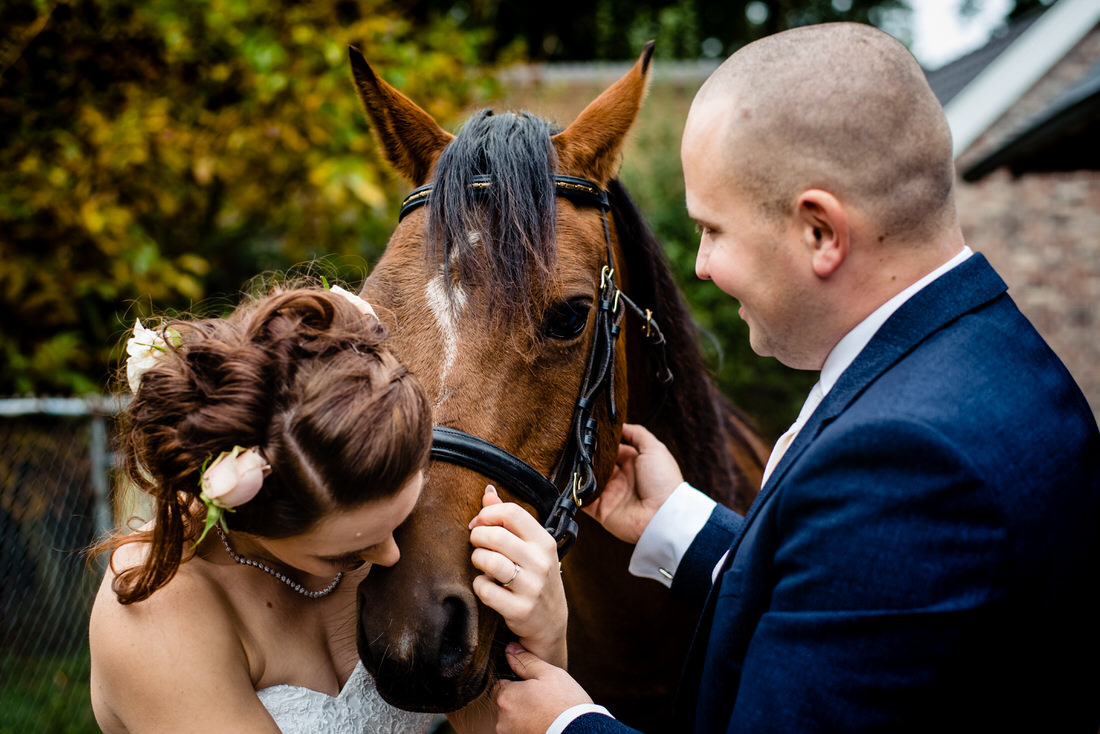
(364, 307)
(143, 351)
(229, 481)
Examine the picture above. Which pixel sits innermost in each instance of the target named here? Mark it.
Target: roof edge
(974, 109)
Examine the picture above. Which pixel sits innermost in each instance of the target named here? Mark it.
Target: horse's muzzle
(423, 657)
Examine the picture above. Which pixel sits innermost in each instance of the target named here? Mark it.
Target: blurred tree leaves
(580, 30)
(157, 152)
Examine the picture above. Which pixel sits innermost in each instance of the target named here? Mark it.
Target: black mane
(515, 216)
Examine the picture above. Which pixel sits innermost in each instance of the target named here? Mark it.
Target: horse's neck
(718, 453)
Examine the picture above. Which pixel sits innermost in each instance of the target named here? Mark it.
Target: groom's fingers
(526, 665)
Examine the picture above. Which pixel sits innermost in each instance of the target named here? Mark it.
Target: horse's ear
(590, 147)
(410, 137)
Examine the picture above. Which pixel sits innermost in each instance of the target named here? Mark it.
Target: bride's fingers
(539, 556)
(489, 498)
(515, 519)
(496, 566)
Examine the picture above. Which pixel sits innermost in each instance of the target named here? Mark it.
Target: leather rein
(573, 480)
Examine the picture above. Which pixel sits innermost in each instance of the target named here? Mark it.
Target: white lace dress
(358, 709)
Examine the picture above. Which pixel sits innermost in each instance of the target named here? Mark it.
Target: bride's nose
(702, 261)
(388, 554)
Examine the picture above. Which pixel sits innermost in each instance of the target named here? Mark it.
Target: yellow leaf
(91, 215)
(193, 264)
(366, 192)
(203, 170)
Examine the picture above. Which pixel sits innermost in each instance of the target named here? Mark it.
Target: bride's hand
(521, 578)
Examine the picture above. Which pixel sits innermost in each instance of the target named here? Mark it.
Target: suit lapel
(971, 284)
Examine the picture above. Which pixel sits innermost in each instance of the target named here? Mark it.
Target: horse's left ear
(590, 147)
(410, 137)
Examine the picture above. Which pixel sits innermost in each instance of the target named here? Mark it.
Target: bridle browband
(580, 191)
(573, 481)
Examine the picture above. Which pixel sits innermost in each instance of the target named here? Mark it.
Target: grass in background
(46, 695)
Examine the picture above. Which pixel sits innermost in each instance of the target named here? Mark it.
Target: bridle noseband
(573, 481)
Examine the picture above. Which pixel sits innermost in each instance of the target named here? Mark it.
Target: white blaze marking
(446, 310)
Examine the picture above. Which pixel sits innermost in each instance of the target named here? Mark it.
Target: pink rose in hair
(229, 481)
(235, 477)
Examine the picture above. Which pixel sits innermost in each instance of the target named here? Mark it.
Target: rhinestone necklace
(281, 576)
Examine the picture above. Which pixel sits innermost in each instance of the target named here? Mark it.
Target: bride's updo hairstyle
(300, 373)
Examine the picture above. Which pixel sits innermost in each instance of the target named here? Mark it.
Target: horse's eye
(566, 320)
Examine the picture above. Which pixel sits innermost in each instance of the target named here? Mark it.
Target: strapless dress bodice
(357, 709)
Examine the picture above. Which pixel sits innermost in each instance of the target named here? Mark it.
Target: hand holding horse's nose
(521, 580)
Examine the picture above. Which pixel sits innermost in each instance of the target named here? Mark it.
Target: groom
(924, 554)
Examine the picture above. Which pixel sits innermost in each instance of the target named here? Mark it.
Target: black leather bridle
(573, 481)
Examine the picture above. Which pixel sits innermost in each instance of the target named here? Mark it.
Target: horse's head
(492, 290)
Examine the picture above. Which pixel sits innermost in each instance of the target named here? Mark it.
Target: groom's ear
(823, 227)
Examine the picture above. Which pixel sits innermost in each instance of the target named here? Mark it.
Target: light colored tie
(785, 441)
(781, 446)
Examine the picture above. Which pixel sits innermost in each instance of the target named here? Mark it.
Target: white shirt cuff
(669, 534)
(565, 718)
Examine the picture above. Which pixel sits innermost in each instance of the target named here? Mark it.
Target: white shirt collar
(849, 347)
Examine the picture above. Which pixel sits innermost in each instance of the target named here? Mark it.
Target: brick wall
(1042, 231)
(1042, 234)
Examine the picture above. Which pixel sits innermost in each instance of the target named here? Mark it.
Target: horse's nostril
(453, 644)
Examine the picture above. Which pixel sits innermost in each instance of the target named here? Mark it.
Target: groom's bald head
(842, 107)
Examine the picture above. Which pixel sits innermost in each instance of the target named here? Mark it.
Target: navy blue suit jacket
(926, 555)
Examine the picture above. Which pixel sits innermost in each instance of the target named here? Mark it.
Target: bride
(281, 447)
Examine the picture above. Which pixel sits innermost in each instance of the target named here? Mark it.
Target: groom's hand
(545, 691)
(644, 476)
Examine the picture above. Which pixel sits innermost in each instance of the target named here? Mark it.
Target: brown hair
(300, 373)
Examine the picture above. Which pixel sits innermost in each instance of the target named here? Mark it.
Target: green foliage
(46, 694)
(159, 152)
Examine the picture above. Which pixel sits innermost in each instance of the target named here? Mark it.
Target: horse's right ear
(410, 137)
(590, 146)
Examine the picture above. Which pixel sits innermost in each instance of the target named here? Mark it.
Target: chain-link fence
(55, 465)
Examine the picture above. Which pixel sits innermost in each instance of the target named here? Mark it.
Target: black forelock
(514, 216)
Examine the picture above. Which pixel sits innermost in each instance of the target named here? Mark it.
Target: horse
(524, 289)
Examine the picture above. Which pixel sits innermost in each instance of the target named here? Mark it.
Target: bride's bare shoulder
(151, 649)
(192, 590)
